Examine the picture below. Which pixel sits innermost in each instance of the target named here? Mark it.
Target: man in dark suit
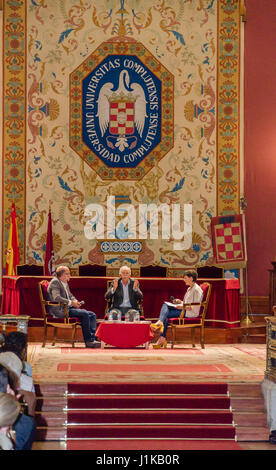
(124, 293)
(58, 291)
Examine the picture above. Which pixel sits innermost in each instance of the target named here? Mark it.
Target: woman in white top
(193, 295)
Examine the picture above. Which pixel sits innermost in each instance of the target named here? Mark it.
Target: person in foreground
(10, 375)
(58, 291)
(124, 293)
(193, 295)
(9, 411)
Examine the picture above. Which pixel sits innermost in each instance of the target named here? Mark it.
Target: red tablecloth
(20, 297)
(124, 335)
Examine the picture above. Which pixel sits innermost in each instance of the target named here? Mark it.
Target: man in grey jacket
(58, 291)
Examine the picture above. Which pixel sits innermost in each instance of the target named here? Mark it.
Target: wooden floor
(54, 445)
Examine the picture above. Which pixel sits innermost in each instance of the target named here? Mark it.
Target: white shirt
(194, 294)
(126, 302)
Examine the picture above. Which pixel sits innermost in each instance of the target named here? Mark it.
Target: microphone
(82, 302)
(171, 298)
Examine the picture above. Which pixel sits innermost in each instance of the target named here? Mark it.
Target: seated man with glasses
(58, 291)
(124, 293)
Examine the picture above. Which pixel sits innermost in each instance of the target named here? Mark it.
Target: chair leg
(202, 338)
(44, 336)
(193, 336)
(173, 337)
(74, 336)
(55, 336)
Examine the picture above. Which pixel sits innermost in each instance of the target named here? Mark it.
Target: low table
(124, 334)
(21, 322)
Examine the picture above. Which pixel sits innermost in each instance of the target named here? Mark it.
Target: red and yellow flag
(13, 256)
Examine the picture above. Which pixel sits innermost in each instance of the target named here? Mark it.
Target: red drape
(20, 296)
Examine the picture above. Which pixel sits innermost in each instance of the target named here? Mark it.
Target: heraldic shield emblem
(123, 104)
(127, 111)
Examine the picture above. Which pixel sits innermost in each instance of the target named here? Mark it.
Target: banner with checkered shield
(229, 242)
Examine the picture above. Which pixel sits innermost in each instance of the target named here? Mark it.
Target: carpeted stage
(145, 399)
(216, 363)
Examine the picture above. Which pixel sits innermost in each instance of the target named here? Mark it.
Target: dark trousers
(25, 432)
(87, 320)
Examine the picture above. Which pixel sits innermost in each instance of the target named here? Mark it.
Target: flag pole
(246, 320)
(49, 260)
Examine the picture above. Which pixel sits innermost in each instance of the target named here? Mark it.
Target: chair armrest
(52, 303)
(181, 317)
(193, 303)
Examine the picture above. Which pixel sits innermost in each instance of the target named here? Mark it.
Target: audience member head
(9, 410)
(7, 380)
(12, 363)
(16, 342)
(2, 340)
(4, 379)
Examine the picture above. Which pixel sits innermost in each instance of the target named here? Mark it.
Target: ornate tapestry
(120, 105)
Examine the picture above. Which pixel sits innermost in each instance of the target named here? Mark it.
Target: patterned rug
(215, 363)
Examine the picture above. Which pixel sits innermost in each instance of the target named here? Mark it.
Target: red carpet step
(149, 416)
(151, 432)
(148, 402)
(137, 411)
(147, 388)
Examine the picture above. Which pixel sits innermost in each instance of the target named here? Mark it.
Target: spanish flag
(13, 256)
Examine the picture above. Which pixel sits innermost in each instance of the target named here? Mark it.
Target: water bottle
(137, 316)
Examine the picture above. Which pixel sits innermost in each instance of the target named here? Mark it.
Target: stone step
(56, 390)
(50, 403)
(256, 339)
(250, 418)
(51, 418)
(255, 327)
(254, 333)
(249, 415)
(252, 433)
(245, 390)
(57, 433)
(247, 404)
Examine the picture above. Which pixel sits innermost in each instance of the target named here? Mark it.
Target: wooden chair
(92, 270)
(29, 270)
(181, 323)
(57, 323)
(153, 271)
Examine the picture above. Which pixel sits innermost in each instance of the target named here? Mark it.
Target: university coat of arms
(123, 104)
